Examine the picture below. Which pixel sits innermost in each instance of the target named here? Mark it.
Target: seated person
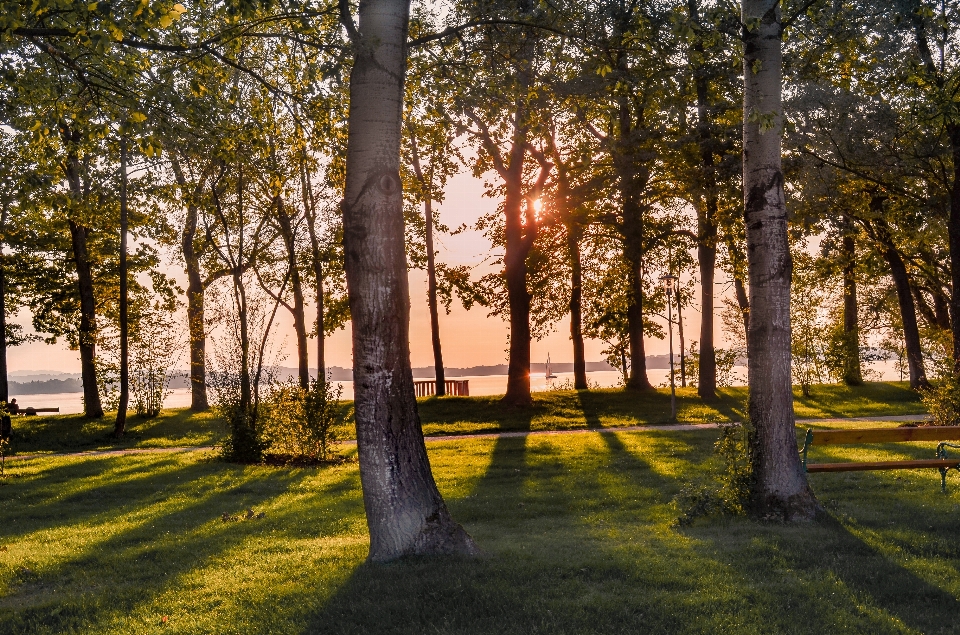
(12, 407)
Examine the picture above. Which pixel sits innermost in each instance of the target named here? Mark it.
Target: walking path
(482, 435)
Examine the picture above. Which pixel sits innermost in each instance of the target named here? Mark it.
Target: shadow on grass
(145, 534)
(580, 542)
(73, 433)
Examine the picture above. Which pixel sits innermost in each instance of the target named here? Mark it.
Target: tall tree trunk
(4, 386)
(631, 184)
(87, 329)
(427, 187)
(298, 310)
(706, 227)
(908, 315)
(574, 230)
(953, 231)
(576, 307)
(87, 335)
(121, 423)
(405, 513)
(195, 292)
(901, 282)
(852, 375)
(318, 273)
(683, 345)
(432, 301)
(780, 483)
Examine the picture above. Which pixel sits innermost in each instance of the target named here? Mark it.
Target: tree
(405, 513)
(780, 484)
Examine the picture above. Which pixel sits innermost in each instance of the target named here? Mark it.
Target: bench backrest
(883, 435)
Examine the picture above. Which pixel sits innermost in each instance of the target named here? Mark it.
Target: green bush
(943, 401)
(729, 493)
(301, 424)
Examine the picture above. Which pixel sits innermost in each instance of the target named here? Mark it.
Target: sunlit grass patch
(578, 533)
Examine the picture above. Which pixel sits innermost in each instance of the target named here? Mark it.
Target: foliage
(942, 401)
(726, 359)
(302, 424)
(244, 443)
(730, 492)
(157, 344)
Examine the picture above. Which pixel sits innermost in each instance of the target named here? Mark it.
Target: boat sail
(550, 374)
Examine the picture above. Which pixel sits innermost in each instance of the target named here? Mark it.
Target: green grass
(559, 410)
(74, 433)
(609, 408)
(577, 530)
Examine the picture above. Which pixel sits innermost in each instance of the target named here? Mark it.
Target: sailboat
(550, 374)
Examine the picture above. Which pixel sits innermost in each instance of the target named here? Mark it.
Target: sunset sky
(469, 338)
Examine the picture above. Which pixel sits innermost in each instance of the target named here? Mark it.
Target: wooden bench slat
(885, 435)
(883, 465)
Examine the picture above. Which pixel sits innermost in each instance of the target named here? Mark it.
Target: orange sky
(469, 338)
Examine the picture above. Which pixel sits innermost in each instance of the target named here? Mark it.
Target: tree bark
(706, 229)
(4, 385)
(427, 188)
(405, 513)
(518, 242)
(953, 231)
(852, 374)
(780, 484)
(195, 292)
(318, 273)
(683, 344)
(120, 426)
(630, 184)
(87, 332)
(432, 301)
(298, 310)
(908, 315)
(901, 282)
(576, 308)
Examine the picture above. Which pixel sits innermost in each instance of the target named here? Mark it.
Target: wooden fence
(454, 387)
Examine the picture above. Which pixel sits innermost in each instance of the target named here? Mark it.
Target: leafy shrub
(943, 401)
(729, 494)
(302, 424)
(726, 359)
(245, 443)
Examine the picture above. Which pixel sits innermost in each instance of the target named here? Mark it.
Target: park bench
(886, 435)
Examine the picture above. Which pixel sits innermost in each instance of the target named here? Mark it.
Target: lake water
(72, 403)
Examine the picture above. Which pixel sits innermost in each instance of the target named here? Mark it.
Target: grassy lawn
(560, 410)
(578, 533)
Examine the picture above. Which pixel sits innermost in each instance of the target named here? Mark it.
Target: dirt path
(482, 435)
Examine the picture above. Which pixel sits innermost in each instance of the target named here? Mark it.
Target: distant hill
(45, 387)
(42, 384)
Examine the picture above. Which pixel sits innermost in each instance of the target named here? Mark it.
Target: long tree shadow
(158, 542)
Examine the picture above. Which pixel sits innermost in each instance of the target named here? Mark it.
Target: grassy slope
(577, 531)
(560, 410)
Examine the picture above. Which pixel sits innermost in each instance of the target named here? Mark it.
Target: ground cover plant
(578, 532)
(559, 410)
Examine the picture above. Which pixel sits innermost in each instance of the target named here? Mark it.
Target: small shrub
(729, 494)
(943, 401)
(301, 424)
(245, 443)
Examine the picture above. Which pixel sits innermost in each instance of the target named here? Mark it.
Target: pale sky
(469, 338)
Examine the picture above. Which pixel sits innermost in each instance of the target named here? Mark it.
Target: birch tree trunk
(405, 513)
(780, 484)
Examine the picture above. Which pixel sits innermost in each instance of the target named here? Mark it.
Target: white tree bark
(780, 485)
(405, 512)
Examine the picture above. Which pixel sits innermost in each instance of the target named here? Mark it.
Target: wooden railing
(454, 387)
